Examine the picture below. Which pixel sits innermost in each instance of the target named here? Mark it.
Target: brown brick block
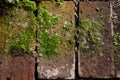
(62, 66)
(95, 55)
(17, 67)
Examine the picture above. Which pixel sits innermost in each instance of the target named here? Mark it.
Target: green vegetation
(116, 42)
(21, 41)
(10, 1)
(71, 41)
(90, 36)
(27, 4)
(48, 43)
(115, 17)
(18, 31)
(67, 26)
(47, 20)
(30, 5)
(59, 2)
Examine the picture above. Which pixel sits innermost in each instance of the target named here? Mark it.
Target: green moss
(48, 43)
(71, 41)
(67, 26)
(29, 5)
(116, 42)
(58, 2)
(17, 27)
(90, 37)
(47, 20)
(12, 1)
(20, 40)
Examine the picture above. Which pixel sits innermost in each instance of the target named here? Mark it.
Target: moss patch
(48, 43)
(17, 30)
(90, 37)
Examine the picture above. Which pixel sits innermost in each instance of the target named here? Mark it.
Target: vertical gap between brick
(112, 31)
(8, 78)
(36, 64)
(36, 72)
(76, 40)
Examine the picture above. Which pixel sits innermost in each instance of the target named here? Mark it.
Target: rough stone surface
(17, 67)
(63, 66)
(101, 65)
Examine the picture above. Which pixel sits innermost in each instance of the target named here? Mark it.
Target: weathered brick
(62, 66)
(17, 67)
(99, 64)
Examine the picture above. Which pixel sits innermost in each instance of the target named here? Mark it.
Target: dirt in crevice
(36, 32)
(36, 72)
(76, 3)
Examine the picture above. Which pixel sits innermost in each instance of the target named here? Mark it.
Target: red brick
(17, 67)
(101, 65)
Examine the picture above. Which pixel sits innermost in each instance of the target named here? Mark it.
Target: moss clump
(67, 26)
(27, 4)
(47, 20)
(116, 42)
(71, 41)
(90, 37)
(48, 42)
(58, 2)
(49, 45)
(22, 40)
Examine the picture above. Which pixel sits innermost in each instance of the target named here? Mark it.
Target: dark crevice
(36, 64)
(36, 72)
(76, 39)
(89, 78)
(96, 0)
(8, 78)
